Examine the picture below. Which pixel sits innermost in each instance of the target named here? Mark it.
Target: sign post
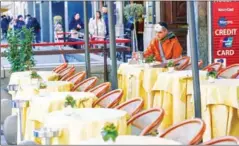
(225, 32)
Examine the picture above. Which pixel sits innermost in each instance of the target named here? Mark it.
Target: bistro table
(40, 106)
(84, 123)
(137, 80)
(29, 91)
(170, 93)
(24, 77)
(131, 140)
(220, 107)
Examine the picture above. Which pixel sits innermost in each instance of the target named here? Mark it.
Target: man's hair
(164, 24)
(28, 15)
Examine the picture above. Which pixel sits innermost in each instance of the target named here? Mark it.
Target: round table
(27, 91)
(24, 77)
(132, 140)
(84, 123)
(41, 106)
(220, 107)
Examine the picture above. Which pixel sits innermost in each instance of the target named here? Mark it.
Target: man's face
(77, 16)
(21, 18)
(162, 34)
(104, 9)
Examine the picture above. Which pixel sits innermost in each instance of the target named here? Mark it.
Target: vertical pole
(14, 10)
(66, 16)
(34, 9)
(47, 140)
(86, 37)
(19, 125)
(112, 46)
(50, 21)
(105, 51)
(41, 20)
(195, 71)
(209, 26)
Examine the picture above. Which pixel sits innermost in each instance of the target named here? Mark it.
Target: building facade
(172, 12)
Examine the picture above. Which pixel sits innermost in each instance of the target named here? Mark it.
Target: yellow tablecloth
(170, 93)
(137, 81)
(24, 77)
(53, 101)
(220, 107)
(132, 140)
(84, 124)
(27, 92)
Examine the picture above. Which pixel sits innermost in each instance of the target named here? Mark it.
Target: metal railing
(104, 50)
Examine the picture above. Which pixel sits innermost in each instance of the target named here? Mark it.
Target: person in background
(19, 23)
(140, 32)
(27, 17)
(97, 26)
(4, 26)
(35, 26)
(165, 46)
(76, 23)
(105, 17)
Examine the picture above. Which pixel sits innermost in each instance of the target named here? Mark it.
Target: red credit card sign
(225, 32)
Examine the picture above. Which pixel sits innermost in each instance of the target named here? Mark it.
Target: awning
(4, 10)
(5, 6)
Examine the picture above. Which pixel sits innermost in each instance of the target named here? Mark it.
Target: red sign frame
(225, 32)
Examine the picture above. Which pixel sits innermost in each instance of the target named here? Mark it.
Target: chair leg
(10, 130)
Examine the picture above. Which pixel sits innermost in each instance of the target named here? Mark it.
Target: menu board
(225, 33)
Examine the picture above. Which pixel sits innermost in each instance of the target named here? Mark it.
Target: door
(174, 13)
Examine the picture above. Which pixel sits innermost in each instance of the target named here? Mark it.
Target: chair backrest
(229, 71)
(236, 75)
(77, 78)
(67, 73)
(132, 106)
(60, 67)
(101, 89)
(189, 66)
(188, 132)
(64, 71)
(182, 62)
(10, 129)
(85, 85)
(147, 121)
(225, 140)
(110, 99)
(217, 66)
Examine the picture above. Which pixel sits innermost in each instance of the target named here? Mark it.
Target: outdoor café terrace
(85, 96)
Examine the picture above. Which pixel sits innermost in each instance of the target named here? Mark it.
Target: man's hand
(78, 26)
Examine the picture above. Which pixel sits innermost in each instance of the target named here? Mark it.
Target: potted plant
(34, 77)
(149, 60)
(132, 13)
(20, 54)
(170, 66)
(211, 75)
(69, 104)
(43, 87)
(109, 133)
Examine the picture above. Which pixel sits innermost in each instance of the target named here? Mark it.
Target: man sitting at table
(165, 46)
